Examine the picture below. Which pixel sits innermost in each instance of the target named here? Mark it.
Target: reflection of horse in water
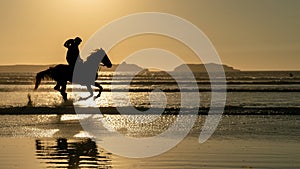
(71, 153)
(85, 74)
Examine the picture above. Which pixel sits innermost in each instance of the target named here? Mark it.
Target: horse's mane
(95, 54)
(93, 60)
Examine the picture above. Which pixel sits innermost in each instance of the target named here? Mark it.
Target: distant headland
(123, 67)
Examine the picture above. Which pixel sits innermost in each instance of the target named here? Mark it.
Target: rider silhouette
(73, 51)
(72, 57)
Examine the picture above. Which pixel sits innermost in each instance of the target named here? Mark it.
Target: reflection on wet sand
(71, 154)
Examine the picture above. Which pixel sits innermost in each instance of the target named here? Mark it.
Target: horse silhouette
(85, 74)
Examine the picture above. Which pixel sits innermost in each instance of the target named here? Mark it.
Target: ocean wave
(146, 82)
(150, 89)
(241, 78)
(229, 110)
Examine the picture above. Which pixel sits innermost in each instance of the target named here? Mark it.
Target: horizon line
(27, 64)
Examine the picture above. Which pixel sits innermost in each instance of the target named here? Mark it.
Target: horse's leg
(63, 91)
(100, 89)
(57, 86)
(89, 88)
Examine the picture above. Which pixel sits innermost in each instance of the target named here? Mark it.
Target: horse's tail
(40, 76)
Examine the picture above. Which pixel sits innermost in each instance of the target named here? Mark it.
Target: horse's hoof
(95, 97)
(84, 98)
(98, 95)
(64, 95)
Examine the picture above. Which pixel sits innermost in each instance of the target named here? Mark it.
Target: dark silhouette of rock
(202, 68)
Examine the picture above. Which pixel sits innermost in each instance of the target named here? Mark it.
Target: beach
(253, 141)
(259, 127)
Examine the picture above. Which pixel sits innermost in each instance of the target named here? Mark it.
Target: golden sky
(248, 34)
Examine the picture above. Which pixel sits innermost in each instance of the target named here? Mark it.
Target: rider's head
(77, 40)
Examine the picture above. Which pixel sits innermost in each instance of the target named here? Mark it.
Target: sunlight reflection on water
(47, 97)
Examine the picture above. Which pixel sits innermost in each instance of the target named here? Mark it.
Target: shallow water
(250, 89)
(240, 141)
(51, 141)
(247, 126)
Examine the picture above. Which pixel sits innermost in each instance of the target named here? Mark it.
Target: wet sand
(19, 153)
(267, 142)
(222, 154)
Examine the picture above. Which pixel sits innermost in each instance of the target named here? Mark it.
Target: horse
(84, 74)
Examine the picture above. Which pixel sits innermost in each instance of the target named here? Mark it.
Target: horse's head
(106, 62)
(99, 55)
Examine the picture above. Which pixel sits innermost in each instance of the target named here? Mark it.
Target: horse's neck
(92, 61)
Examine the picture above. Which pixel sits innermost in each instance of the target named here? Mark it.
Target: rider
(73, 51)
(72, 57)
